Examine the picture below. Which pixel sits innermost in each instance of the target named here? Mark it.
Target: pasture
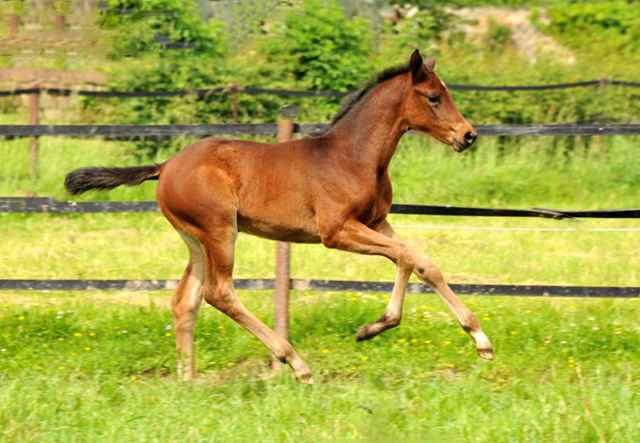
(89, 366)
(85, 366)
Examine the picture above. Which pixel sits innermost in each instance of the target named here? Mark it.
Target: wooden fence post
(283, 250)
(34, 105)
(60, 22)
(14, 21)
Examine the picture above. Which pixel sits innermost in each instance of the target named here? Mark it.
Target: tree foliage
(321, 47)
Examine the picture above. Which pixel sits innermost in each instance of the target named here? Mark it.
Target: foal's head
(430, 108)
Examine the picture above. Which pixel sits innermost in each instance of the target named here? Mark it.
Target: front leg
(353, 236)
(427, 271)
(393, 312)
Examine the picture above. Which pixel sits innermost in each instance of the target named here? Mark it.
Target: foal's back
(263, 189)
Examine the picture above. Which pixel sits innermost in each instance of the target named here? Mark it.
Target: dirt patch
(527, 40)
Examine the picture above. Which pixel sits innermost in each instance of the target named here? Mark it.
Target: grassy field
(97, 366)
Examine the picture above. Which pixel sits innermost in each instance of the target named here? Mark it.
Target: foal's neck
(370, 132)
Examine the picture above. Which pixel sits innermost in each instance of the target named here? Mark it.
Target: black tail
(85, 179)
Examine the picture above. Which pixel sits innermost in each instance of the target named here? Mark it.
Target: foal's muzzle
(467, 141)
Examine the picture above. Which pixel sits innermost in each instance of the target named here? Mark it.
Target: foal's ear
(417, 67)
(430, 63)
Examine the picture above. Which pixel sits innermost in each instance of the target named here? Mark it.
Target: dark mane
(357, 96)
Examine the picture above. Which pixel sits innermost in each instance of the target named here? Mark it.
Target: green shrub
(183, 23)
(498, 36)
(609, 25)
(321, 48)
(140, 63)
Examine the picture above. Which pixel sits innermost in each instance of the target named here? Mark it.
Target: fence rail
(329, 285)
(42, 205)
(128, 132)
(234, 88)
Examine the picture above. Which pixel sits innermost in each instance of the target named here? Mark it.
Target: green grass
(112, 246)
(96, 367)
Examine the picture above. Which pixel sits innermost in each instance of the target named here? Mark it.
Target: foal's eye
(434, 98)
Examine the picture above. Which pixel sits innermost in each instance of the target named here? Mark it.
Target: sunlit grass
(131, 246)
(87, 366)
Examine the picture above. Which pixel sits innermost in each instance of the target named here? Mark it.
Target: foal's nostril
(470, 137)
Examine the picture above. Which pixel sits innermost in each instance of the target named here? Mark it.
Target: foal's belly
(279, 231)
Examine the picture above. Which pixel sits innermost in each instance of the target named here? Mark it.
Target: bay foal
(332, 189)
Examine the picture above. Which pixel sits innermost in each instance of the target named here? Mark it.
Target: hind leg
(185, 305)
(218, 245)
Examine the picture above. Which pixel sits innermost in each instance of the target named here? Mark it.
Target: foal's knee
(406, 258)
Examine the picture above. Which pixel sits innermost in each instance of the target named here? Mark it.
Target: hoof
(307, 378)
(486, 353)
(364, 333)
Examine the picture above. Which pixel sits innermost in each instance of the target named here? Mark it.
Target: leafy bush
(321, 48)
(498, 36)
(153, 21)
(142, 64)
(313, 46)
(616, 23)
